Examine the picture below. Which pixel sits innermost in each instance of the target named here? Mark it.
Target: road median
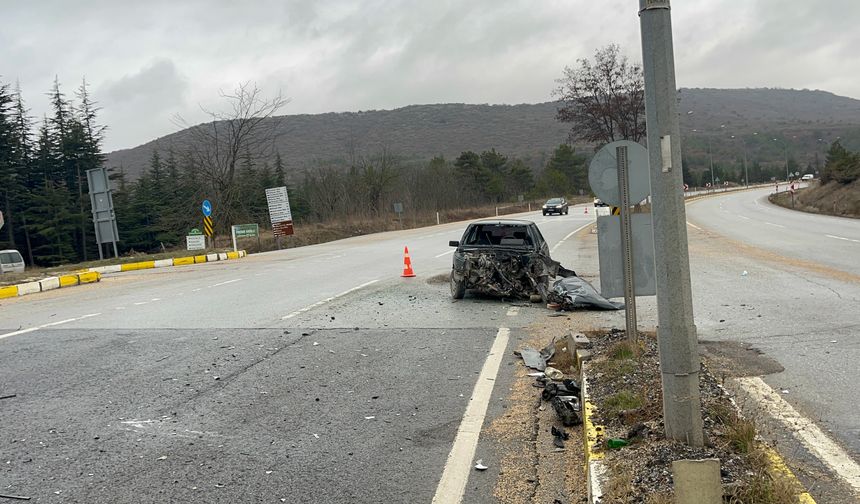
(94, 275)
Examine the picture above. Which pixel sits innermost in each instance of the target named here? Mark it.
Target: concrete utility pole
(676, 333)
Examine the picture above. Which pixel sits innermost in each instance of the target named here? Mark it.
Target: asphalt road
(319, 375)
(306, 375)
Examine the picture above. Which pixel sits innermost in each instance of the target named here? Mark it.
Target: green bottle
(616, 443)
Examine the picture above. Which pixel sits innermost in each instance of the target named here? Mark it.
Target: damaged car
(506, 258)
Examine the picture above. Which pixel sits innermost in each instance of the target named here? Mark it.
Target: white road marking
(513, 311)
(693, 226)
(774, 225)
(196, 290)
(827, 451)
(842, 238)
(227, 282)
(452, 486)
(580, 228)
(155, 299)
(445, 253)
(50, 324)
(140, 303)
(743, 217)
(328, 300)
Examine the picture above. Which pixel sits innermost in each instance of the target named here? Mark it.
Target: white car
(808, 176)
(11, 261)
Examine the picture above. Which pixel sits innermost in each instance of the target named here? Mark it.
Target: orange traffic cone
(407, 264)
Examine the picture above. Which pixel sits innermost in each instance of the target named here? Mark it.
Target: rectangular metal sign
(195, 242)
(104, 218)
(246, 230)
(609, 254)
(279, 211)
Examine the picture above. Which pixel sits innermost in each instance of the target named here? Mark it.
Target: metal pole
(626, 243)
(785, 153)
(676, 333)
(746, 172)
(711, 158)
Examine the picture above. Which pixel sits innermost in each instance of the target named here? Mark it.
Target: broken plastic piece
(533, 359)
(479, 465)
(567, 410)
(553, 373)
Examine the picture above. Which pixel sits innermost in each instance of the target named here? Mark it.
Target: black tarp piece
(574, 293)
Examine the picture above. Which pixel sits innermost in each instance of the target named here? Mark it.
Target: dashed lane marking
(452, 486)
(328, 300)
(842, 238)
(444, 253)
(227, 282)
(50, 324)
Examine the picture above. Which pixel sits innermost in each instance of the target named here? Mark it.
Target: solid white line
(50, 324)
(693, 226)
(827, 451)
(775, 225)
(580, 228)
(445, 253)
(328, 300)
(227, 282)
(452, 486)
(842, 238)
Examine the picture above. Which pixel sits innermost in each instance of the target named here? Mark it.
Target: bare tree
(249, 127)
(604, 100)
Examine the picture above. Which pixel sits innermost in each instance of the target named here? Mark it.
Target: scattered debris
(553, 373)
(316, 343)
(479, 465)
(163, 457)
(537, 360)
(10, 396)
(369, 417)
(15, 497)
(745, 273)
(568, 410)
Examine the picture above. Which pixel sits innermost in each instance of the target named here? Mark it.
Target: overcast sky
(148, 61)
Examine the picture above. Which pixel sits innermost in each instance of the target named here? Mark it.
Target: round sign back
(603, 173)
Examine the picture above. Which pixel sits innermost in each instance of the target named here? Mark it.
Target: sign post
(279, 212)
(208, 227)
(398, 209)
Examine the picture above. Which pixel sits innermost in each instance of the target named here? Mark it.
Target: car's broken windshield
(498, 234)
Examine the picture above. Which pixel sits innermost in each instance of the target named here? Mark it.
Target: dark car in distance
(555, 205)
(496, 257)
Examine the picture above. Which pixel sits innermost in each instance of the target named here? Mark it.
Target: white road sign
(279, 204)
(196, 242)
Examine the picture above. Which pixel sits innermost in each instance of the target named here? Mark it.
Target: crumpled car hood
(507, 273)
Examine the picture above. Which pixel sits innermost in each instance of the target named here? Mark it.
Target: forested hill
(530, 131)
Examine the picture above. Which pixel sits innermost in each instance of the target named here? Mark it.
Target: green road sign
(246, 230)
(195, 232)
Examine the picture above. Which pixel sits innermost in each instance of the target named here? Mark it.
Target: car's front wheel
(458, 289)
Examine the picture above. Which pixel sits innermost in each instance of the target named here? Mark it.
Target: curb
(50, 283)
(596, 470)
(93, 275)
(163, 263)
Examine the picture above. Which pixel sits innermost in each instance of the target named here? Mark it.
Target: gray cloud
(148, 61)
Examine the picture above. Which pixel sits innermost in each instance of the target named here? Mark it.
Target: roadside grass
(623, 400)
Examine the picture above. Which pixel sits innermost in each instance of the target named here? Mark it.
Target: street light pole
(676, 332)
(785, 154)
(746, 172)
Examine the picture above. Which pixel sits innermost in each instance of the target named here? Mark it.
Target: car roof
(9, 250)
(505, 222)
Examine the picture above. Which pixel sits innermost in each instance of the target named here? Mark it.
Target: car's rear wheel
(458, 289)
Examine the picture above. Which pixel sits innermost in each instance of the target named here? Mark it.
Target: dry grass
(660, 498)
(619, 488)
(622, 400)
